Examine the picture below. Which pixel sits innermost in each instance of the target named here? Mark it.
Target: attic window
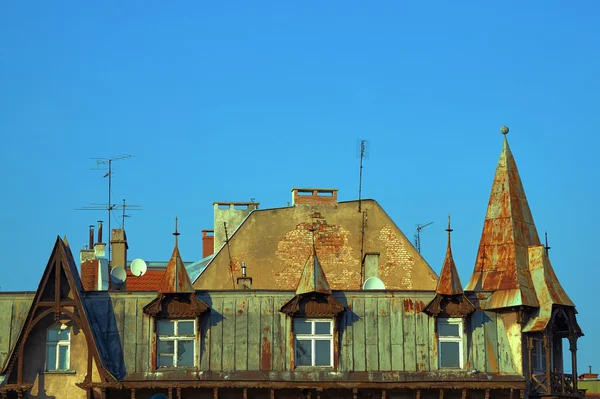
(58, 348)
(176, 341)
(450, 343)
(313, 342)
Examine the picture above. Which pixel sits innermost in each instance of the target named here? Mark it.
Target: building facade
(321, 299)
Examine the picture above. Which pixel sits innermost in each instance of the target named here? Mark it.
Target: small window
(538, 356)
(58, 348)
(176, 343)
(313, 343)
(450, 343)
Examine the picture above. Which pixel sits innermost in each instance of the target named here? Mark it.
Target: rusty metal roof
(508, 231)
(176, 279)
(449, 283)
(549, 291)
(313, 277)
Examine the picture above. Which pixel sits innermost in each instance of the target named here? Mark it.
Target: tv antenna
(418, 235)
(109, 207)
(362, 151)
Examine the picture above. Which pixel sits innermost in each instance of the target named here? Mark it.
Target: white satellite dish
(373, 283)
(118, 275)
(138, 267)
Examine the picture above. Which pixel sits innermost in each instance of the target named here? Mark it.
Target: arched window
(58, 348)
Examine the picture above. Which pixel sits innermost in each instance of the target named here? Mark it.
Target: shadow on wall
(42, 388)
(104, 327)
(209, 319)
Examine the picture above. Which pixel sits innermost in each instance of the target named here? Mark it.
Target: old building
(321, 299)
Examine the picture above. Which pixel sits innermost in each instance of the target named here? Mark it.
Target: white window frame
(538, 355)
(313, 338)
(59, 343)
(175, 338)
(456, 321)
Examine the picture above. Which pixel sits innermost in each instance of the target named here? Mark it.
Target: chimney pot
(314, 196)
(99, 231)
(91, 238)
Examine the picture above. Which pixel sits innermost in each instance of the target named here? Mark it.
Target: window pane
(185, 353)
(303, 353)
(322, 352)
(165, 361)
(51, 357)
(166, 327)
(449, 354)
(322, 327)
(185, 328)
(166, 347)
(53, 334)
(302, 327)
(64, 335)
(63, 357)
(448, 330)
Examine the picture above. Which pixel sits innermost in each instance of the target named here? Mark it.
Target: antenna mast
(363, 152)
(229, 253)
(110, 206)
(418, 235)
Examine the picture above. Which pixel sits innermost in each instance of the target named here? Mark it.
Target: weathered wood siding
(244, 331)
(13, 312)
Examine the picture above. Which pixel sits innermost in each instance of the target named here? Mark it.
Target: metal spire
(176, 234)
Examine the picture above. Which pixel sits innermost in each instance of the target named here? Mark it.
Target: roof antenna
(418, 235)
(362, 152)
(546, 247)
(109, 207)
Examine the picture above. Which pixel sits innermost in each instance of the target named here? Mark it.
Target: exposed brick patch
(398, 260)
(340, 264)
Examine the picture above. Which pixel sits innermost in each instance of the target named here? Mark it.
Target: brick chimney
(314, 196)
(208, 243)
(89, 264)
(231, 213)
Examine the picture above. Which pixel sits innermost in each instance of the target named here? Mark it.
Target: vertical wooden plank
(278, 338)
(130, 326)
(347, 355)
(384, 331)
(358, 329)
(229, 316)
(216, 334)
(491, 342)
(143, 342)
(241, 334)
(422, 336)
(397, 337)
(409, 330)
(433, 346)
(266, 333)
(253, 333)
(205, 333)
(478, 341)
(6, 312)
(372, 348)
(505, 361)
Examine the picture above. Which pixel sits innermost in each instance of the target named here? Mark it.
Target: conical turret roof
(313, 277)
(449, 283)
(508, 231)
(176, 279)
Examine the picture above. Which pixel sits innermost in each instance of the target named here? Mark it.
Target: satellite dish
(118, 275)
(138, 267)
(373, 283)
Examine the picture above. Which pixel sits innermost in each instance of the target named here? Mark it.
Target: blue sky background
(225, 101)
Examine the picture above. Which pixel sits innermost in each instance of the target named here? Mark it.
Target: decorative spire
(313, 277)
(176, 279)
(508, 230)
(449, 283)
(176, 233)
(546, 247)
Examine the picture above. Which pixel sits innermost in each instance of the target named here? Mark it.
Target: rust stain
(419, 306)
(491, 357)
(265, 357)
(382, 312)
(409, 306)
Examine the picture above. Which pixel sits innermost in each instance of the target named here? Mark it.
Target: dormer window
(450, 343)
(313, 342)
(176, 341)
(58, 348)
(538, 356)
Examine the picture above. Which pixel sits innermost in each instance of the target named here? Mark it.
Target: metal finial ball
(504, 129)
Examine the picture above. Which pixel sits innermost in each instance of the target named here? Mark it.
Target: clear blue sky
(224, 101)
